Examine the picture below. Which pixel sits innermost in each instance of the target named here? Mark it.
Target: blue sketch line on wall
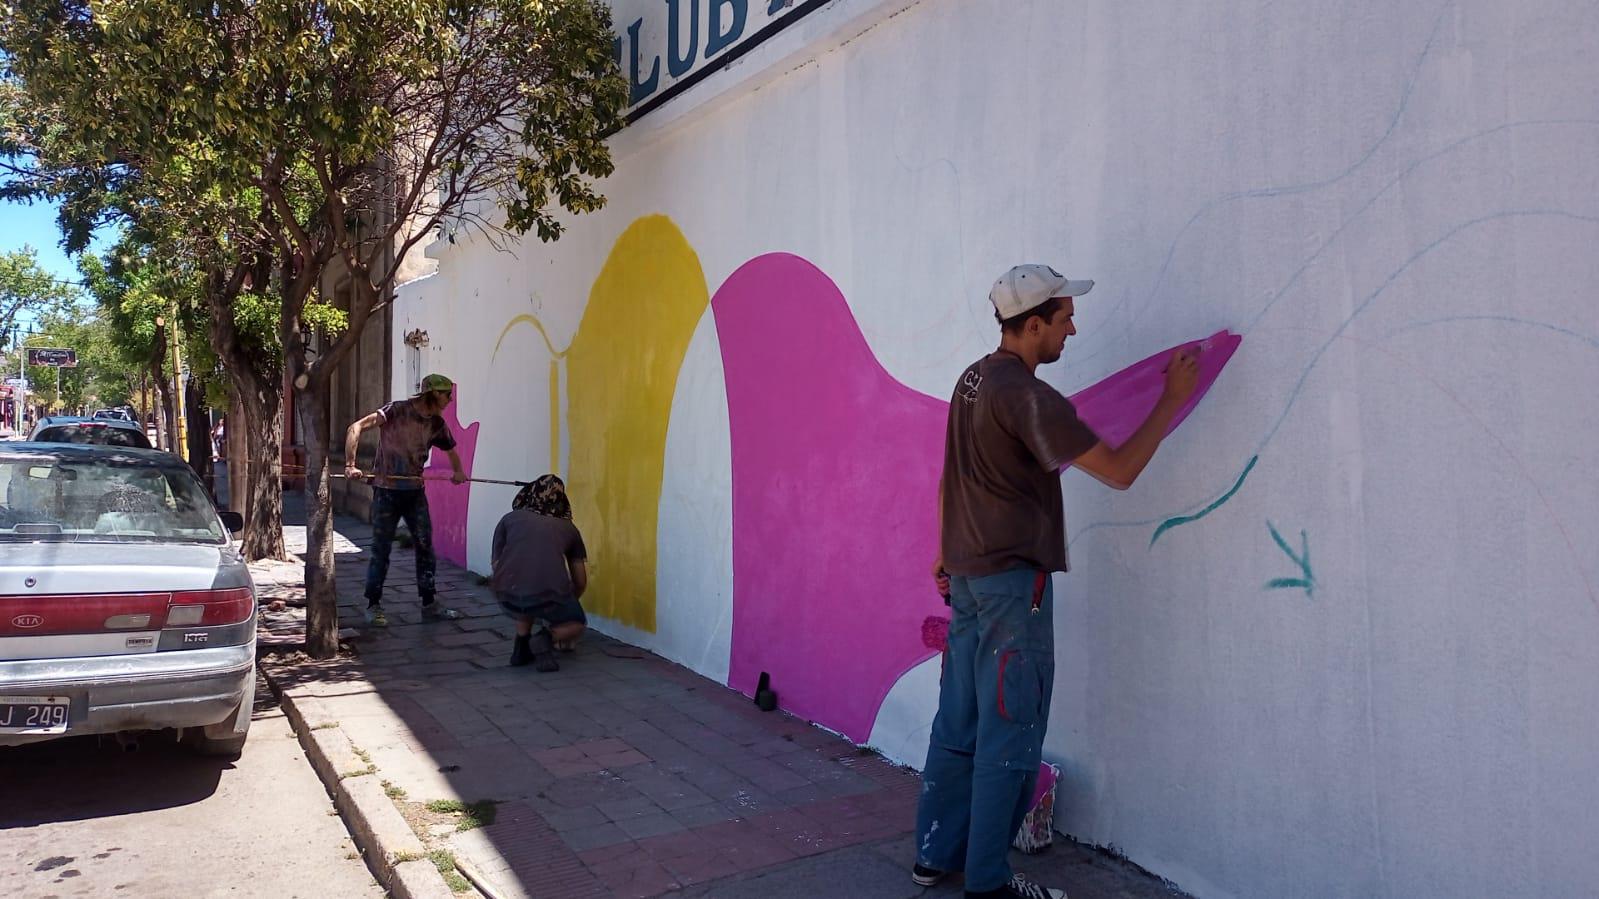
(1394, 276)
(1170, 523)
(1343, 226)
(1284, 190)
(1185, 516)
(1306, 581)
(1393, 182)
(1497, 319)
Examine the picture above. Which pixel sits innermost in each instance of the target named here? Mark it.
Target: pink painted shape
(1116, 406)
(835, 483)
(447, 502)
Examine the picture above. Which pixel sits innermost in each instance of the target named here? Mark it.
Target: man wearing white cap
(1003, 534)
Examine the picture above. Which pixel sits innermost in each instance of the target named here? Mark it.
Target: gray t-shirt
(530, 552)
(1008, 436)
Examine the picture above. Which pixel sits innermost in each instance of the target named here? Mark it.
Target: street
(81, 819)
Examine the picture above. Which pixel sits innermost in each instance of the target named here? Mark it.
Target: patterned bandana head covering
(546, 496)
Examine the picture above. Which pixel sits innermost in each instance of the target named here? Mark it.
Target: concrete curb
(391, 849)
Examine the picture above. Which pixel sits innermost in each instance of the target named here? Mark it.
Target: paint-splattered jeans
(993, 707)
(388, 507)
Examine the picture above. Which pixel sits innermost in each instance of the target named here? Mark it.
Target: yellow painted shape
(530, 320)
(555, 416)
(621, 374)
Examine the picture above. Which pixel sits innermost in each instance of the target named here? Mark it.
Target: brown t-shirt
(530, 552)
(1009, 434)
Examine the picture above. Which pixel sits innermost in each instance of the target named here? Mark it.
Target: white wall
(1396, 204)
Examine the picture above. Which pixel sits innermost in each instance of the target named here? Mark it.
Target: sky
(34, 225)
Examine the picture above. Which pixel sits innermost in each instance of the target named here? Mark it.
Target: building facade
(1338, 638)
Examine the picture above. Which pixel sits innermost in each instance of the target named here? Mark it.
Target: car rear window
(103, 435)
(110, 498)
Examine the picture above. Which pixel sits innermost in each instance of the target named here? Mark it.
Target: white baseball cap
(1029, 286)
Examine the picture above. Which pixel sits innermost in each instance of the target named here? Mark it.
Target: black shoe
(923, 876)
(521, 654)
(543, 649)
(1019, 888)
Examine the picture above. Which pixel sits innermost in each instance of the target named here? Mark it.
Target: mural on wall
(835, 482)
(622, 372)
(835, 465)
(448, 502)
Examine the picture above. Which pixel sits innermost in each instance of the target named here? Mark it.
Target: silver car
(124, 605)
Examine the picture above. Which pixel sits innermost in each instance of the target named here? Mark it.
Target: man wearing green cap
(407, 429)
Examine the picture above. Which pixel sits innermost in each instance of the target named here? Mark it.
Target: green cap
(437, 382)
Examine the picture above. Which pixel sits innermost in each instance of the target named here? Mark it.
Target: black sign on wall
(47, 356)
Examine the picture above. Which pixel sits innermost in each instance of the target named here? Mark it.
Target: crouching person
(540, 570)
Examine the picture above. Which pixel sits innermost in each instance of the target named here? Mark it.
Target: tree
(150, 302)
(27, 288)
(171, 198)
(363, 128)
(72, 326)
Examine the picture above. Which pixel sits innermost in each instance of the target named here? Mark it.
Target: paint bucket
(1038, 828)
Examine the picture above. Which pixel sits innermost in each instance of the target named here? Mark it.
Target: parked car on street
(125, 607)
(113, 414)
(77, 429)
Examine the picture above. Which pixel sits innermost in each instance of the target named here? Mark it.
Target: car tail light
(38, 616)
(205, 608)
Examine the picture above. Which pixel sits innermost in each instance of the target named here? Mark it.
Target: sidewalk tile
(567, 820)
(701, 867)
(652, 879)
(674, 845)
(625, 809)
(701, 815)
(650, 825)
(594, 837)
(617, 855)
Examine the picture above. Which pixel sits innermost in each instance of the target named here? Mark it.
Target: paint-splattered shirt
(1009, 435)
(404, 438)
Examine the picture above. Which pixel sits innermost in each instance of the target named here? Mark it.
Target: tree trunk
(322, 596)
(262, 428)
(199, 433)
(159, 412)
(169, 410)
(169, 419)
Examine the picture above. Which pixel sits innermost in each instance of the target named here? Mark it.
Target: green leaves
(258, 149)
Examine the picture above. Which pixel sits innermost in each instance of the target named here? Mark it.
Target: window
(99, 434)
(109, 498)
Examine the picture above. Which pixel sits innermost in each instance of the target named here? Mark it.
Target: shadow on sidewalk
(623, 774)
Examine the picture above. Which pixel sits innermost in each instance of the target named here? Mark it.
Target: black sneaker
(923, 876)
(521, 654)
(543, 649)
(1019, 888)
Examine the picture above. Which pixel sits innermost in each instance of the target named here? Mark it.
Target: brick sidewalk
(623, 774)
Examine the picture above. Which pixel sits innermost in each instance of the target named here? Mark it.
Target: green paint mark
(1306, 581)
(1170, 523)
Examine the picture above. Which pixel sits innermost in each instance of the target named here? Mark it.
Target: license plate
(34, 714)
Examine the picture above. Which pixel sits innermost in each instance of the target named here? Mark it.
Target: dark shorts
(550, 610)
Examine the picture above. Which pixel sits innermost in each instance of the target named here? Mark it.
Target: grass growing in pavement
(444, 860)
(393, 791)
(473, 814)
